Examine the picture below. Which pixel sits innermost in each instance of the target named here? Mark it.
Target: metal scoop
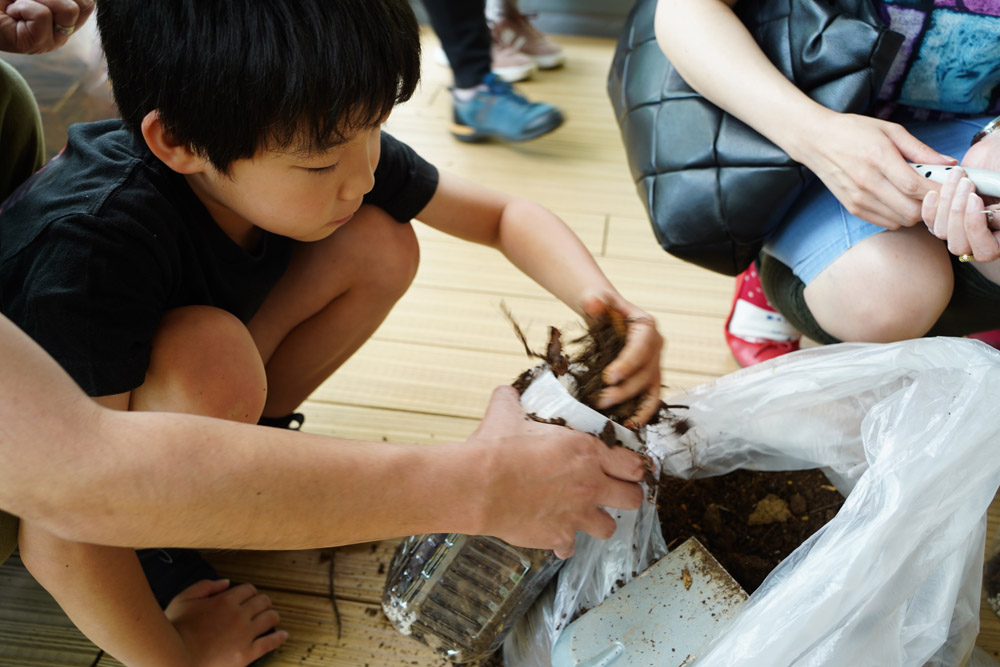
(665, 616)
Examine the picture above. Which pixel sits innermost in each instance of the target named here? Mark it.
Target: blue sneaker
(500, 113)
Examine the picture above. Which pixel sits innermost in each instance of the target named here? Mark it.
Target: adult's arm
(153, 479)
(862, 160)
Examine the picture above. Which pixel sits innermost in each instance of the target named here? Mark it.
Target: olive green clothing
(8, 535)
(22, 145)
(22, 152)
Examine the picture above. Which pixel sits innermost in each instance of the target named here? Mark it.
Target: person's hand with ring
(970, 223)
(39, 26)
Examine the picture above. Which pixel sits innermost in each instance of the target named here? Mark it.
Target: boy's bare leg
(332, 298)
(105, 594)
(205, 362)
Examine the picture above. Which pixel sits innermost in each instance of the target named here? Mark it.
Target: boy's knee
(397, 253)
(204, 362)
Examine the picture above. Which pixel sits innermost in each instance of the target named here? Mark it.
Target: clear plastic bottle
(462, 594)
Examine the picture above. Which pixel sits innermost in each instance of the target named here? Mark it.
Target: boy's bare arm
(179, 480)
(546, 250)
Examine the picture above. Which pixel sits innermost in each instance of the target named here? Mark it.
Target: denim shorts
(818, 229)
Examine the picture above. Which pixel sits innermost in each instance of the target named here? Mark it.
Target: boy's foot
(495, 111)
(211, 615)
(292, 421)
(514, 30)
(225, 626)
(755, 331)
(507, 63)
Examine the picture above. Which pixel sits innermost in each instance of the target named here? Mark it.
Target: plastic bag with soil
(907, 432)
(462, 594)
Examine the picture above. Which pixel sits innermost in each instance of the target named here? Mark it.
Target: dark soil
(749, 520)
(991, 582)
(598, 347)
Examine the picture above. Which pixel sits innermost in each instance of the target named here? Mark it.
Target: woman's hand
(958, 215)
(863, 161)
(636, 370)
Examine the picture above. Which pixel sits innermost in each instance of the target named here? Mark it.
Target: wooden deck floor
(426, 374)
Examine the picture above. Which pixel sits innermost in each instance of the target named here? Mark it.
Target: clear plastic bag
(908, 431)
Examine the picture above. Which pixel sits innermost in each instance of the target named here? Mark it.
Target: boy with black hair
(231, 242)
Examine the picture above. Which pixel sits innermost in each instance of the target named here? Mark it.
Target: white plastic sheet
(909, 431)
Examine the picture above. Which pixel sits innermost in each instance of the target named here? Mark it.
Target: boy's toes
(242, 593)
(264, 622)
(256, 604)
(203, 589)
(267, 643)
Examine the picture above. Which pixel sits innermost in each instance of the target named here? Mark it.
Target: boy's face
(304, 197)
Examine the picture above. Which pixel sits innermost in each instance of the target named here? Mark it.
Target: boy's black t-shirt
(97, 246)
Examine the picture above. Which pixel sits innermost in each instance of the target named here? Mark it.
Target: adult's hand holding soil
(543, 483)
(635, 372)
(863, 161)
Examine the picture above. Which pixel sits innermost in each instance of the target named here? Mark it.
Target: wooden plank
(359, 569)
(473, 321)
(417, 378)
(590, 227)
(366, 639)
(632, 238)
(664, 283)
(989, 622)
(384, 425)
(34, 631)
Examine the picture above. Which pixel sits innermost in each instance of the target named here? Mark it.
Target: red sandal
(754, 330)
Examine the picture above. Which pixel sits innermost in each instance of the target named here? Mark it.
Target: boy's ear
(177, 156)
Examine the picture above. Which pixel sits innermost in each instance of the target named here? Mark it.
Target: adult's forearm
(712, 49)
(153, 479)
(90, 474)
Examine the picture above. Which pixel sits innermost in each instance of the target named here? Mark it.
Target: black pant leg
(465, 37)
(786, 293)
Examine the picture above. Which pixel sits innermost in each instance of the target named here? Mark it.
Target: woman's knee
(892, 286)
(205, 362)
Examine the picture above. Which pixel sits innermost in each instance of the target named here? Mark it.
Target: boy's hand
(636, 371)
(222, 626)
(39, 26)
(543, 483)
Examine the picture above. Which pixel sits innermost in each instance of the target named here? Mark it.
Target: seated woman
(831, 269)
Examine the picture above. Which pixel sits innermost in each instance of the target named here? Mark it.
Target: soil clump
(749, 520)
